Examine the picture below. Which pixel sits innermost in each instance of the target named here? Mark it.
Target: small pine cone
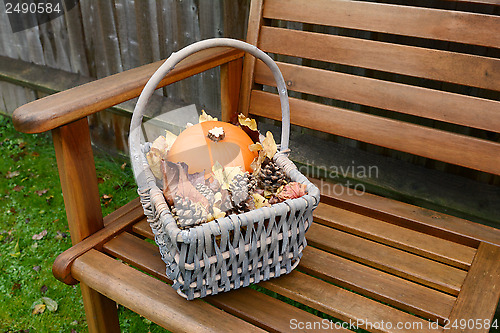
(186, 213)
(239, 188)
(207, 192)
(242, 207)
(271, 176)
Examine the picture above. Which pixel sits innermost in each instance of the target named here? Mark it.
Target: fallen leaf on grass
(37, 268)
(100, 180)
(50, 303)
(44, 289)
(39, 308)
(18, 188)
(12, 174)
(35, 154)
(13, 210)
(16, 252)
(42, 192)
(123, 166)
(16, 286)
(39, 235)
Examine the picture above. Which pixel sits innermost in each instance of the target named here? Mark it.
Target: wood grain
(480, 293)
(475, 29)
(62, 265)
(421, 102)
(255, 22)
(384, 287)
(75, 162)
(406, 265)
(248, 304)
(152, 298)
(230, 82)
(72, 104)
(412, 241)
(462, 150)
(465, 69)
(343, 304)
(410, 216)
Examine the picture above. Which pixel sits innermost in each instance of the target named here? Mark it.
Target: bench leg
(101, 312)
(75, 161)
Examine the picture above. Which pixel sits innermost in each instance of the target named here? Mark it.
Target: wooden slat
(152, 298)
(428, 246)
(462, 150)
(72, 104)
(62, 265)
(250, 305)
(472, 70)
(422, 102)
(255, 21)
(397, 262)
(376, 284)
(410, 216)
(344, 304)
(475, 29)
(473, 302)
(142, 228)
(230, 82)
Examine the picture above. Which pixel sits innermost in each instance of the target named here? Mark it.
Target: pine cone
(207, 192)
(239, 188)
(271, 176)
(186, 213)
(242, 207)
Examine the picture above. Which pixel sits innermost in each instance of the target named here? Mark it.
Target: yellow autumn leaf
(206, 117)
(244, 121)
(39, 308)
(269, 145)
(216, 213)
(225, 175)
(255, 147)
(260, 201)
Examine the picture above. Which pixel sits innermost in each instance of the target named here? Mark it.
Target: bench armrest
(67, 106)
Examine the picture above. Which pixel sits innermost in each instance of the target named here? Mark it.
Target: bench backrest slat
(318, 63)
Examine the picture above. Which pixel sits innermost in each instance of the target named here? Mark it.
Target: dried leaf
(123, 165)
(100, 180)
(18, 188)
(12, 174)
(216, 213)
(40, 235)
(255, 147)
(260, 201)
(41, 192)
(37, 268)
(16, 286)
(39, 308)
(291, 191)
(269, 145)
(186, 189)
(225, 175)
(35, 154)
(16, 252)
(257, 162)
(44, 289)
(158, 151)
(248, 122)
(206, 117)
(50, 303)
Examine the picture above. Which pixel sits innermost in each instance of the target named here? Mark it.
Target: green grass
(31, 202)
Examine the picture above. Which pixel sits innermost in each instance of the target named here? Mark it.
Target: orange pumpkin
(200, 151)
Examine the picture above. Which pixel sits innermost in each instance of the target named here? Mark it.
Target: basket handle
(172, 61)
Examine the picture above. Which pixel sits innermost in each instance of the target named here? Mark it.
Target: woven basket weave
(237, 250)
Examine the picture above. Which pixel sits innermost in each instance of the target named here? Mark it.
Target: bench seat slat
(421, 102)
(432, 247)
(464, 69)
(476, 29)
(248, 304)
(415, 139)
(342, 303)
(152, 298)
(410, 216)
(385, 287)
(394, 261)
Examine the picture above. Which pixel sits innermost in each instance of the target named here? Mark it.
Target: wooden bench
(373, 262)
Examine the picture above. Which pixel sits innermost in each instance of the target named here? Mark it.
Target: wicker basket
(237, 250)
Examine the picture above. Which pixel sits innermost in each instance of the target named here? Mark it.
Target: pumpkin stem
(216, 134)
